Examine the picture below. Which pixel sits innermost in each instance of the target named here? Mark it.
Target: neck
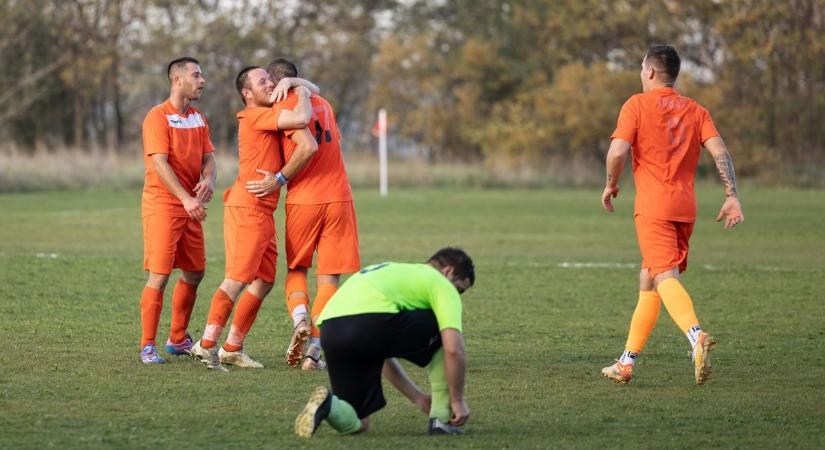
(658, 86)
(180, 102)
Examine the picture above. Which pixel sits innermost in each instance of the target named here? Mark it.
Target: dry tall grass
(64, 168)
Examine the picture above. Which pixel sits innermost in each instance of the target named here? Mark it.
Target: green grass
(537, 333)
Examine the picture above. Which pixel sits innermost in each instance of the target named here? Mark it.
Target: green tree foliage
(507, 82)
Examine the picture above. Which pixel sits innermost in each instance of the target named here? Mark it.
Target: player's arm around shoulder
(282, 88)
(455, 367)
(731, 210)
(300, 116)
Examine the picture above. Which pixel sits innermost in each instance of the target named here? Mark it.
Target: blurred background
(478, 92)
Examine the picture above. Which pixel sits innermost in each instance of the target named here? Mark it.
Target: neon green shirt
(393, 287)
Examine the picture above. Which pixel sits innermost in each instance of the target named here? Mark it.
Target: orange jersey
(665, 131)
(184, 138)
(258, 148)
(324, 178)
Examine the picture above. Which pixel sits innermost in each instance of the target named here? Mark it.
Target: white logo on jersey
(192, 121)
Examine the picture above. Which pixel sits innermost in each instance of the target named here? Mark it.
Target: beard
(262, 99)
(194, 92)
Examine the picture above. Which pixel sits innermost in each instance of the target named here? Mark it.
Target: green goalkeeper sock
(440, 406)
(342, 417)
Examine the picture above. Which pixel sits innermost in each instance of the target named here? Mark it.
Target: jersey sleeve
(446, 303)
(208, 146)
(708, 128)
(155, 134)
(628, 122)
(266, 120)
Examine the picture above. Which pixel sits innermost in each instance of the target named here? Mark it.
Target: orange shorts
(664, 243)
(251, 244)
(172, 243)
(328, 228)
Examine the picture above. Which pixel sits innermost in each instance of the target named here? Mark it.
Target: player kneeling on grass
(387, 311)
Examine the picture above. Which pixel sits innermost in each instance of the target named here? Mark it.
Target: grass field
(556, 285)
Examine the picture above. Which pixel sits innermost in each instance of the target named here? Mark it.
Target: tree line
(504, 82)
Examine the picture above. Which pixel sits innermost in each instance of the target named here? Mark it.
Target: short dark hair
(281, 68)
(458, 259)
(179, 63)
(664, 58)
(242, 80)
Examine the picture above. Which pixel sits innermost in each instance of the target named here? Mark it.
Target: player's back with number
(324, 178)
(666, 131)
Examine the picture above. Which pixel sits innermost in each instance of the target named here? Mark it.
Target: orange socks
(151, 303)
(218, 315)
(643, 321)
(325, 292)
(297, 299)
(678, 304)
(183, 300)
(248, 306)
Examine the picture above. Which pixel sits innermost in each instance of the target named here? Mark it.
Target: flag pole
(382, 150)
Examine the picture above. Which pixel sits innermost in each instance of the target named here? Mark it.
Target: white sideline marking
(708, 267)
(47, 255)
(596, 265)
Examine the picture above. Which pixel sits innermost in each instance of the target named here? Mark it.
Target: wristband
(281, 179)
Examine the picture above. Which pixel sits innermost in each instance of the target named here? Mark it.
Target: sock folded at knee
(678, 303)
(297, 299)
(219, 312)
(342, 417)
(325, 292)
(245, 315)
(643, 321)
(151, 304)
(439, 389)
(183, 300)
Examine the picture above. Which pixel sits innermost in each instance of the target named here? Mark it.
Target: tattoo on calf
(724, 165)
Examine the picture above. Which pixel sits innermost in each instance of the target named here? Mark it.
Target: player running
(388, 311)
(665, 131)
(249, 228)
(320, 217)
(179, 182)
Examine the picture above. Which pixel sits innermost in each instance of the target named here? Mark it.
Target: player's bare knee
(260, 288)
(193, 278)
(232, 287)
(327, 279)
(157, 280)
(672, 273)
(645, 280)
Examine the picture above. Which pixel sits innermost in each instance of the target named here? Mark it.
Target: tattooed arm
(731, 209)
(616, 157)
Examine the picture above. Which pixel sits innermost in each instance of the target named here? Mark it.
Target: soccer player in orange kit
(665, 131)
(179, 182)
(320, 217)
(249, 228)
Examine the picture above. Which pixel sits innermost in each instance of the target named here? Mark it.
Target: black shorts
(356, 347)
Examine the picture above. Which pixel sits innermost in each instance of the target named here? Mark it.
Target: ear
(651, 72)
(448, 271)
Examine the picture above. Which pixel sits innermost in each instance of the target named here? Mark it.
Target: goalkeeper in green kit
(388, 311)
